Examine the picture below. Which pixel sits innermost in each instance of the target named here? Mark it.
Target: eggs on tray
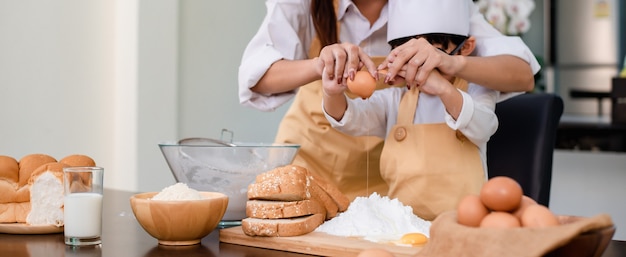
(501, 204)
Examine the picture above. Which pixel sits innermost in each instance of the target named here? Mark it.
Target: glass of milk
(83, 205)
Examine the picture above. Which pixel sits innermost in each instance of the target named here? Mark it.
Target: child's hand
(330, 86)
(436, 84)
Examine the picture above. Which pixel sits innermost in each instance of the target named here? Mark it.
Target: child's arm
(449, 95)
(477, 120)
(333, 99)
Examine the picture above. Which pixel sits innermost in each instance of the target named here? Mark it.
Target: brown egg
(526, 201)
(471, 211)
(501, 194)
(498, 219)
(363, 84)
(538, 216)
(375, 252)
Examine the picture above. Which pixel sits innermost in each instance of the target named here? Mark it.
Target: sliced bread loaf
(332, 190)
(281, 227)
(281, 184)
(262, 209)
(320, 195)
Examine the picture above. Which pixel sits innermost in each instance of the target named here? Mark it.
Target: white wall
(57, 78)
(112, 79)
(213, 36)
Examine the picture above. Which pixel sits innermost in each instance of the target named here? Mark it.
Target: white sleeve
(477, 119)
(490, 42)
(285, 33)
(364, 117)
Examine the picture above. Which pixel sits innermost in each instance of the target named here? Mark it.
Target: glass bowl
(226, 169)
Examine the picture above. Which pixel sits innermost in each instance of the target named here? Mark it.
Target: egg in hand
(363, 84)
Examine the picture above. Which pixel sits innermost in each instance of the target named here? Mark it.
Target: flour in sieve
(177, 192)
(375, 217)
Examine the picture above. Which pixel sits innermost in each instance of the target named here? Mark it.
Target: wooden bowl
(179, 222)
(589, 244)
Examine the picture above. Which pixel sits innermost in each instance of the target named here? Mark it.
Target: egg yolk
(414, 239)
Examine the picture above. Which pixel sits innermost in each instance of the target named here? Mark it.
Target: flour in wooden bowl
(178, 192)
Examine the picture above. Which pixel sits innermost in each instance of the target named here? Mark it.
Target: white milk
(83, 215)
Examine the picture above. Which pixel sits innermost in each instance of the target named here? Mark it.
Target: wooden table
(122, 236)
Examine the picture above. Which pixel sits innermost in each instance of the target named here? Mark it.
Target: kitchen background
(113, 78)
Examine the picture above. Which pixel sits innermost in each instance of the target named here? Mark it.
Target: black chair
(523, 146)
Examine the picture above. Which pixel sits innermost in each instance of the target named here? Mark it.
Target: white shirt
(287, 31)
(377, 115)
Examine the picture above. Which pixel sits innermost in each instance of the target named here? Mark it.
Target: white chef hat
(409, 18)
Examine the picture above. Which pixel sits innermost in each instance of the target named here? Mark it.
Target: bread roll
(56, 168)
(281, 227)
(8, 191)
(9, 169)
(14, 212)
(29, 163)
(78, 160)
(46, 195)
(23, 194)
(21, 211)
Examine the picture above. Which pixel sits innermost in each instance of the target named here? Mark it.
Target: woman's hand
(341, 61)
(416, 59)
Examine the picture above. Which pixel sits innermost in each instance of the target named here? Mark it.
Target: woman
(283, 60)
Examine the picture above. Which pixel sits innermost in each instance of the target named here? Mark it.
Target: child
(436, 133)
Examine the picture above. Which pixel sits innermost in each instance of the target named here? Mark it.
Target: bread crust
(329, 205)
(280, 184)
(78, 160)
(14, 212)
(30, 163)
(262, 209)
(8, 191)
(281, 227)
(56, 168)
(16, 179)
(332, 190)
(9, 168)
(290, 201)
(23, 194)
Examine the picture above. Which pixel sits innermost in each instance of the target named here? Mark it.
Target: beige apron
(351, 162)
(429, 166)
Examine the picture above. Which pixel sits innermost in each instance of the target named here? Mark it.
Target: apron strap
(408, 103)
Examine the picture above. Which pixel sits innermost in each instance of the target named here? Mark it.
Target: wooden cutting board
(315, 243)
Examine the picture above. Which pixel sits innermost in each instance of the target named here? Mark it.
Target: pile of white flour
(375, 217)
(178, 192)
